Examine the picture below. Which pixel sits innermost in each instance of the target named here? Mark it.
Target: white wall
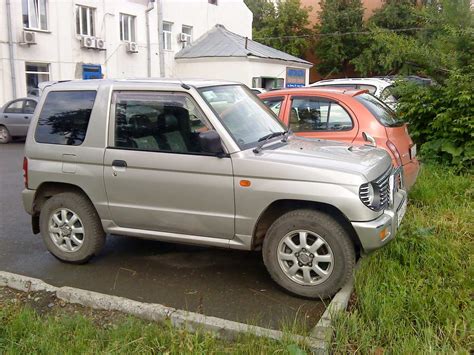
(60, 46)
(202, 16)
(234, 69)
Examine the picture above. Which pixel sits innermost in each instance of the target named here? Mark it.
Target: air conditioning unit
(132, 47)
(88, 42)
(182, 37)
(29, 37)
(100, 44)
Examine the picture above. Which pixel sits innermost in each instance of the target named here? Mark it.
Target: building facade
(49, 40)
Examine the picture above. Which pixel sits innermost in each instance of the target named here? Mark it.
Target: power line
(338, 34)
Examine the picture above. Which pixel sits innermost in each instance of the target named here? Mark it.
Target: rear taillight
(25, 171)
(395, 152)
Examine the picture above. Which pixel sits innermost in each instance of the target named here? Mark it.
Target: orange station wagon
(346, 115)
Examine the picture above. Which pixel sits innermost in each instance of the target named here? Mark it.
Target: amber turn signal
(245, 183)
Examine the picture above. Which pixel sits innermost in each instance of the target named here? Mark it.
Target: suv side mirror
(211, 143)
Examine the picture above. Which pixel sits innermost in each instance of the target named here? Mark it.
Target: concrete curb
(324, 331)
(191, 321)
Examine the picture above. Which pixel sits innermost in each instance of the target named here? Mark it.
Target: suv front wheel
(309, 253)
(71, 228)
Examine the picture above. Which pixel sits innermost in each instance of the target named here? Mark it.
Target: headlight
(369, 194)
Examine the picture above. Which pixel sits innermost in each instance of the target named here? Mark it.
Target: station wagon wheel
(66, 230)
(5, 136)
(305, 257)
(309, 253)
(71, 227)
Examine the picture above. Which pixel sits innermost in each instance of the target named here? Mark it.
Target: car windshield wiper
(263, 140)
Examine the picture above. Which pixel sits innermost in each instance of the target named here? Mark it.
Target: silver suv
(204, 163)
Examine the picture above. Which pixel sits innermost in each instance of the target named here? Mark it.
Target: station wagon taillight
(25, 171)
(395, 152)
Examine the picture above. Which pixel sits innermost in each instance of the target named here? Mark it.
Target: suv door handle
(119, 163)
(26, 117)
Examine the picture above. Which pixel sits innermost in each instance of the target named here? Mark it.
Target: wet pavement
(218, 282)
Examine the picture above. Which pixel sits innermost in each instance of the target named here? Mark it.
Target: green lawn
(23, 331)
(416, 295)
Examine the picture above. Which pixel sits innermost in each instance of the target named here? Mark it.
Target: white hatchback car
(381, 88)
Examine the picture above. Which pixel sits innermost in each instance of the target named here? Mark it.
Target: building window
(85, 21)
(188, 35)
(127, 28)
(212, 2)
(167, 30)
(35, 73)
(35, 14)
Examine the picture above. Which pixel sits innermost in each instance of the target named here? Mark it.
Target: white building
(49, 40)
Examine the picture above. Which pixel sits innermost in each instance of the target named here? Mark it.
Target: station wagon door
(322, 118)
(156, 176)
(15, 119)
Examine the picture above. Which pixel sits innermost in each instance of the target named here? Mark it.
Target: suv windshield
(380, 110)
(244, 116)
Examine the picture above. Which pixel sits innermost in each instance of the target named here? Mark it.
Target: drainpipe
(148, 44)
(10, 48)
(161, 53)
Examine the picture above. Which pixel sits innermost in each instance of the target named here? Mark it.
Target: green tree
(335, 48)
(284, 27)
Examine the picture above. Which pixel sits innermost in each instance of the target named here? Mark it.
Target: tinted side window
(314, 114)
(164, 122)
(274, 104)
(380, 110)
(64, 117)
(15, 107)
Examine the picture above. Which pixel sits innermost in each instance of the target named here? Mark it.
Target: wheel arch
(279, 207)
(47, 190)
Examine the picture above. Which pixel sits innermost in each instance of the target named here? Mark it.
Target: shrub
(441, 119)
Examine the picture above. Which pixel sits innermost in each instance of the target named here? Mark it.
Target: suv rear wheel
(309, 253)
(71, 228)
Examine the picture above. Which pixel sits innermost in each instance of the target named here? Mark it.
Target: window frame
(111, 144)
(90, 20)
(38, 19)
(88, 122)
(27, 72)
(131, 22)
(331, 101)
(167, 45)
(189, 36)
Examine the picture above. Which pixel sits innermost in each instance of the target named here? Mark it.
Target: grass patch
(25, 330)
(416, 294)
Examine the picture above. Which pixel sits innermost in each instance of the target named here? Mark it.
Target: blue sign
(91, 71)
(295, 78)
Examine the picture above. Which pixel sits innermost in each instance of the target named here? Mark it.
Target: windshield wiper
(263, 140)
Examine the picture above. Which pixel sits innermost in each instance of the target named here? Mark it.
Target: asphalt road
(223, 283)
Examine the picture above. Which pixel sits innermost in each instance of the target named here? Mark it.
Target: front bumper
(375, 234)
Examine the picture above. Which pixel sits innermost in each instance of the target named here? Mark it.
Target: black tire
(334, 235)
(5, 136)
(94, 236)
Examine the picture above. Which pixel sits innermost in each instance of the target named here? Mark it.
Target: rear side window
(65, 117)
(380, 110)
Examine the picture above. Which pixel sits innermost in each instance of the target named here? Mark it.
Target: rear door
(157, 178)
(319, 117)
(29, 107)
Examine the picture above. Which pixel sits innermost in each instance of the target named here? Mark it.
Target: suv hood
(327, 157)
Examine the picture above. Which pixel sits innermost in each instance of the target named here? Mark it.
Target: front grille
(381, 187)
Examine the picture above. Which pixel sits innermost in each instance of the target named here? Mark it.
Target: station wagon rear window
(64, 117)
